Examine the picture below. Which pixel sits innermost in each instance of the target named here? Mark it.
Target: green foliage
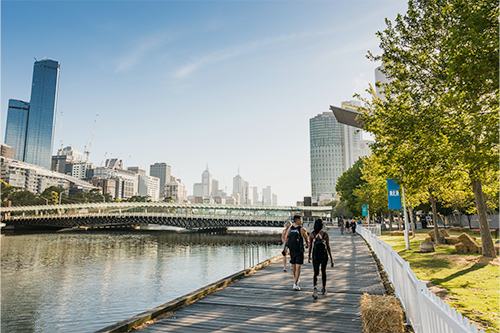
(439, 114)
(347, 184)
(169, 199)
(139, 198)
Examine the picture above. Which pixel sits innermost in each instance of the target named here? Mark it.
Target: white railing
(426, 312)
(374, 228)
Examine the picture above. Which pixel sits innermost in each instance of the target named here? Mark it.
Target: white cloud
(140, 50)
(238, 50)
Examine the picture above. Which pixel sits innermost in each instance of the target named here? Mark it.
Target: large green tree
(347, 184)
(439, 111)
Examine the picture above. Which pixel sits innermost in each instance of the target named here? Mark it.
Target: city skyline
(230, 83)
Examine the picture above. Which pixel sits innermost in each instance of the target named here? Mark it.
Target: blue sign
(393, 195)
(365, 210)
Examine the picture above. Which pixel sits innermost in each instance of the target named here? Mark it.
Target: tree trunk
(399, 222)
(412, 221)
(390, 221)
(460, 219)
(484, 226)
(437, 238)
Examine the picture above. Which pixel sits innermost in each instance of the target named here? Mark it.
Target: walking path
(265, 301)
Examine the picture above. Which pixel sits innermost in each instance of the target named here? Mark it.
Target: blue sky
(228, 83)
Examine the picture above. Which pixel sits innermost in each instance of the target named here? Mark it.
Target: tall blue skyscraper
(41, 118)
(15, 131)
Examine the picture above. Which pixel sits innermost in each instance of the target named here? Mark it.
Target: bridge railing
(425, 311)
(247, 217)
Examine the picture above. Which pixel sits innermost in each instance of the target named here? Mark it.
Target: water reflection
(86, 281)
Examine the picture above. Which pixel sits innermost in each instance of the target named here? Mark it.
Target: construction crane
(87, 151)
(104, 158)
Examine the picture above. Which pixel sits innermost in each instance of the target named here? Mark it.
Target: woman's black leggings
(316, 265)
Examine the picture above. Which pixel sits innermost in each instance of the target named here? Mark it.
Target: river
(82, 282)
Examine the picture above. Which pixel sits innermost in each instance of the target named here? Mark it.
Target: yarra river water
(82, 282)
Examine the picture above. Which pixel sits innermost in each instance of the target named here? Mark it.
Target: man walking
(295, 238)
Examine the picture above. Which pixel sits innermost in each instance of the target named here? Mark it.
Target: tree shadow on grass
(473, 268)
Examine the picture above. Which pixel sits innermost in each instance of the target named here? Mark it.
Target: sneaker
(324, 292)
(294, 286)
(315, 293)
(297, 288)
(284, 269)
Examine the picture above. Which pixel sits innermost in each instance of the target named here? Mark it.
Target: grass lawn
(470, 282)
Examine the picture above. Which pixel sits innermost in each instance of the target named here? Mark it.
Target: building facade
(206, 183)
(163, 171)
(149, 186)
(36, 179)
(16, 126)
(7, 151)
(176, 190)
(42, 112)
(334, 148)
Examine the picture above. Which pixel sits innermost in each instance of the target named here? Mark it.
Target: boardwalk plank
(265, 301)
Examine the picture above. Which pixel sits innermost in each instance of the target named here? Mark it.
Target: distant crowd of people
(349, 225)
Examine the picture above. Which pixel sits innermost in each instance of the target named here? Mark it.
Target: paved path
(265, 301)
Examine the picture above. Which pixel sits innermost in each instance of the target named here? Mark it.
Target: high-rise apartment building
(42, 112)
(334, 148)
(267, 196)
(238, 183)
(163, 171)
(30, 126)
(177, 190)
(206, 183)
(255, 195)
(15, 130)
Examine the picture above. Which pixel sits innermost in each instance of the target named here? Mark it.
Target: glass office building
(334, 148)
(42, 112)
(15, 130)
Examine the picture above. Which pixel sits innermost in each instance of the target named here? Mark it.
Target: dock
(265, 301)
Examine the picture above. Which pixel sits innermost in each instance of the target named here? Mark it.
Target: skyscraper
(15, 130)
(334, 148)
(163, 171)
(206, 182)
(42, 112)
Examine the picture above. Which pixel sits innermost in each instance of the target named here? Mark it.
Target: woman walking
(320, 248)
(283, 239)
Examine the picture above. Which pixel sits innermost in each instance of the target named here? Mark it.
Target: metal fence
(426, 312)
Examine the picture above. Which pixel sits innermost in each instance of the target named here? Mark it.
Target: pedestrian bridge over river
(134, 214)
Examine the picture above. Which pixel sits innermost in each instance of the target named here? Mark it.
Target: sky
(228, 84)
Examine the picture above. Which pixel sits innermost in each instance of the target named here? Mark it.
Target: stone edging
(129, 323)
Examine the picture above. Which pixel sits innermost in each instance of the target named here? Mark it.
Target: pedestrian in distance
(295, 238)
(283, 240)
(341, 227)
(348, 226)
(353, 226)
(321, 251)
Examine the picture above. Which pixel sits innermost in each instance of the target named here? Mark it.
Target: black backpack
(319, 249)
(294, 240)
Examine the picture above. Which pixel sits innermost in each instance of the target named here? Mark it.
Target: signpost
(394, 201)
(366, 212)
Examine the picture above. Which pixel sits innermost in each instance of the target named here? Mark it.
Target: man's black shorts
(297, 258)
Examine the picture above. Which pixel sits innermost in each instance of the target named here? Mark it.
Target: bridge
(134, 214)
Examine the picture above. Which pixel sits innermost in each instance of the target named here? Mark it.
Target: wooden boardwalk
(266, 302)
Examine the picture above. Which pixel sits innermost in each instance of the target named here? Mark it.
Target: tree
(347, 183)
(168, 199)
(7, 191)
(439, 113)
